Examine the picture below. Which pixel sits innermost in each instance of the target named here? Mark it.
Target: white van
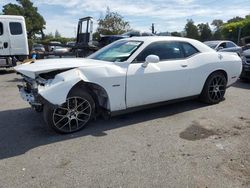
(13, 40)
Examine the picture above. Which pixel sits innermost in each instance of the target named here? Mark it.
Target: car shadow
(23, 129)
(6, 71)
(242, 84)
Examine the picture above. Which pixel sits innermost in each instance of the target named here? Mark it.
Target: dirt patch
(238, 168)
(63, 163)
(196, 132)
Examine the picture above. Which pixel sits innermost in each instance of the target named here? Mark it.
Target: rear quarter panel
(203, 64)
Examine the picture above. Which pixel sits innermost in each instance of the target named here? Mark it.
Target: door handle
(5, 44)
(184, 65)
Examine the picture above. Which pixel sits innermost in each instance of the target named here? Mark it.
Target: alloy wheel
(217, 88)
(72, 115)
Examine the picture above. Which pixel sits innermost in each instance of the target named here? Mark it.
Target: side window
(230, 45)
(16, 28)
(223, 45)
(189, 50)
(165, 51)
(1, 28)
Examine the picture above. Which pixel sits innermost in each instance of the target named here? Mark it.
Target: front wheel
(72, 115)
(214, 89)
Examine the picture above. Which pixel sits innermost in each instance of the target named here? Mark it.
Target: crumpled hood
(42, 66)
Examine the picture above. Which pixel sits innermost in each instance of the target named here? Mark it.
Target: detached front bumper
(33, 98)
(29, 96)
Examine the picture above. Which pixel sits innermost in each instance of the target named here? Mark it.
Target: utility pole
(239, 34)
(153, 28)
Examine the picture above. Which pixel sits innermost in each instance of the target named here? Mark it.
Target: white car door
(18, 37)
(162, 81)
(4, 39)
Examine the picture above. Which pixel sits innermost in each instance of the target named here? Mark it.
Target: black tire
(214, 89)
(73, 115)
(38, 109)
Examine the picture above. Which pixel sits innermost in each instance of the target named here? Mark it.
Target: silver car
(224, 46)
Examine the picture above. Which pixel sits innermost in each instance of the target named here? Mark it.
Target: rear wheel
(72, 115)
(214, 89)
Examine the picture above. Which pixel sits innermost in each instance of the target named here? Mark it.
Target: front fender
(112, 80)
(57, 90)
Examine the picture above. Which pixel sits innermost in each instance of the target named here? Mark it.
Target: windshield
(117, 52)
(212, 44)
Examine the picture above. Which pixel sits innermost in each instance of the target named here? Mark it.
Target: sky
(167, 15)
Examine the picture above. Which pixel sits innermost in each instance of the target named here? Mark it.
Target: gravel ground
(187, 144)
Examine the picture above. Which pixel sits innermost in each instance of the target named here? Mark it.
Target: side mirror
(151, 59)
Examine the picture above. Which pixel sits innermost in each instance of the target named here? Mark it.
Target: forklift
(84, 45)
(84, 40)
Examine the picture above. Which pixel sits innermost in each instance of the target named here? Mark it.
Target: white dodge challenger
(125, 75)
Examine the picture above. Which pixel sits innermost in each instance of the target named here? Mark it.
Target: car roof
(218, 41)
(12, 17)
(149, 39)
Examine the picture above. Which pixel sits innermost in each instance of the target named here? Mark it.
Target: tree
(191, 30)
(205, 32)
(235, 19)
(217, 32)
(57, 34)
(176, 34)
(112, 24)
(34, 21)
(231, 30)
(217, 24)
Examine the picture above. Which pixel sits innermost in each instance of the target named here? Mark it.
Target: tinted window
(16, 28)
(211, 44)
(223, 45)
(230, 45)
(1, 28)
(165, 51)
(189, 50)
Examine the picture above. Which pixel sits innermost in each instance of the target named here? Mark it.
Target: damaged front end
(30, 89)
(29, 92)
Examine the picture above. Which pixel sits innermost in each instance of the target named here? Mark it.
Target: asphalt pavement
(187, 144)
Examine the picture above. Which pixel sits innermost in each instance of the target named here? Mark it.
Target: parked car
(224, 46)
(52, 45)
(126, 75)
(245, 75)
(71, 43)
(60, 50)
(38, 48)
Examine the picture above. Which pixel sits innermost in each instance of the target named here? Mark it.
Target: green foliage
(48, 38)
(34, 21)
(57, 34)
(112, 24)
(96, 36)
(191, 30)
(205, 32)
(217, 33)
(176, 34)
(231, 30)
(217, 24)
(235, 19)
